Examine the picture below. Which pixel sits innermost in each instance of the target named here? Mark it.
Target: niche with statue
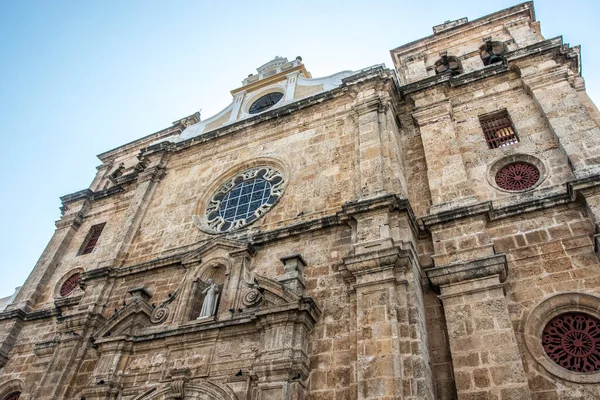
(207, 291)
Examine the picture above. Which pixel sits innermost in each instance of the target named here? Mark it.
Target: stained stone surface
(391, 266)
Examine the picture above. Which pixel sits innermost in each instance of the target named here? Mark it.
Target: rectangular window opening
(91, 239)
(498, 129)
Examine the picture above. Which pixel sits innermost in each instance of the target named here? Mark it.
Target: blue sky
(78, 78)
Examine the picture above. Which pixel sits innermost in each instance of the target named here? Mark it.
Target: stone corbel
(180, 378)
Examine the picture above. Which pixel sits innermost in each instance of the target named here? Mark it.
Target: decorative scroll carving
(160, 313)
(252, 298)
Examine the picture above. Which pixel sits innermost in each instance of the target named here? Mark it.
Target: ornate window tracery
(13, 396)
(572, 340)
(70, 284)
(517, 176)
(244, 198)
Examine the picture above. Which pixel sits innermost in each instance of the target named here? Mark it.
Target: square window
(498, 129)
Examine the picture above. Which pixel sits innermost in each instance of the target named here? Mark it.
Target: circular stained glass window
(69, 285)
(517, 176)
(265, 102)
(572, 341)
(244, 198)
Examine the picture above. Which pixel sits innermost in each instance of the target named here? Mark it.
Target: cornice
(465, 271)
(487, 208)
(554, 44)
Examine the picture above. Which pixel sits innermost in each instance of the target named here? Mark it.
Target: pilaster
(571, 122)
(448, 180)
(485, 355)
(369, 147)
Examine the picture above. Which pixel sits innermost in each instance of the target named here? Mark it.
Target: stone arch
(10, 387)
(197, 391)
(543, 313)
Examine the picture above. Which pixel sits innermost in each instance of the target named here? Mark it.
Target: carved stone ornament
(243, 199)
(252, 298)
(160, 313)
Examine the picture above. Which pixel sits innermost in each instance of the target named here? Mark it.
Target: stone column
(568, 118)
(448, 180)
(485, 355)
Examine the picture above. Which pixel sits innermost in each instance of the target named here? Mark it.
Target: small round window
(69, 285)
(265, 102)
(517, 176)
(572, 341)
(244, 198)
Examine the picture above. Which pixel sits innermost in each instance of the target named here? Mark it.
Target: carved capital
(468, 271)
(538, 79)
(368, 105)
(70, 221)
(433, 113)
(153, 174)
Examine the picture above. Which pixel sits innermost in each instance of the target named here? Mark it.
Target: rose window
(244, 198)
(518, 176)
(69, 285)
(573, 341)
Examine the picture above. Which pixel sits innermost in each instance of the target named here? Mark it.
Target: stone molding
(446, 275)
(542, 313)
(530, 201)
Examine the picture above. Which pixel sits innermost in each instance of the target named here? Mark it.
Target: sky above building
(78, 78)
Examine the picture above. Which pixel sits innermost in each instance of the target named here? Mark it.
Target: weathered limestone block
(484, 349)
(445, 167)
(577, 132)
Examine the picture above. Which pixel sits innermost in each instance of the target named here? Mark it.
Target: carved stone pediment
(130, 319)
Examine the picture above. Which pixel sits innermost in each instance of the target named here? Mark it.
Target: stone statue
(211, 296)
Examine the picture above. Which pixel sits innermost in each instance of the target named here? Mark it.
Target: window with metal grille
(91, 239)
(498, 130)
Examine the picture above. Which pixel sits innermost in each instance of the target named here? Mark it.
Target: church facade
(422, 232)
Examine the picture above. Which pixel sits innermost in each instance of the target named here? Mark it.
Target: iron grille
(498, 130)
(92, 238)
(572, 341)
(69, 285)
(517, 176)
